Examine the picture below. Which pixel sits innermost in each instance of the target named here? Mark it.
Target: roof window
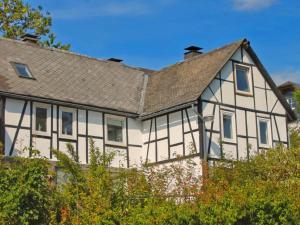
(22, 70)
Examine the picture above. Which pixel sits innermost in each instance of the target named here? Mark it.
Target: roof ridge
(201, 55)
(66, 52)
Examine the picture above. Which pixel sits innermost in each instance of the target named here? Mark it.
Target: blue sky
(153, 33)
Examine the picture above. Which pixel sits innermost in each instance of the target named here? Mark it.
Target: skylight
(22, 70)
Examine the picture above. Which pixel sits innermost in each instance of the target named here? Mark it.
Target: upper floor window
(67, 123)
(264, 133)
(22, 70)
(242, 78)
(41, 119)
(292, 102)
(115, 130)
(228, 125)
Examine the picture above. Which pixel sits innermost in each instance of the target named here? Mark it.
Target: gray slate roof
(70, 77)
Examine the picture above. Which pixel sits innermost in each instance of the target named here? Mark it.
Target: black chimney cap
(193, 48)
(115, 60)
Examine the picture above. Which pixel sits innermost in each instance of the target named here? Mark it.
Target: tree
(18, 18)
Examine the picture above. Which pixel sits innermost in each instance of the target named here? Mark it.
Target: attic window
(22, 70)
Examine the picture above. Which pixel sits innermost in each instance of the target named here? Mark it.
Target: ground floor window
(115, 130)
(41, 119)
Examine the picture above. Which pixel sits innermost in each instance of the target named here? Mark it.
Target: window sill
(40, 133)
(242, 93)
(115, 143)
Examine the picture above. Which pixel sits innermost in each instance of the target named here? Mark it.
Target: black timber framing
(127, 143)
(2, 124)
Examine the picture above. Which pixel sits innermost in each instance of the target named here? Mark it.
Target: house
(217, 104)
(287, 89)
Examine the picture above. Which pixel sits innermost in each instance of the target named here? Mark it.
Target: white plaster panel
(215, 151)
(246, 57)
(13, 110)
(95, 124)
(241, 122)
(42, 145)
(253, 149)
(54, 118)
(146, 130)
(151, 153)
(271, 99)
(26, 118)
(242, 148)
(175, 125)
(208, 95)
(229, 151)
(274, 130)
(281, 122)
(228, 93)
(82, 149)
(176, 151)
(136, 157)
(82, 121)
(193, 118)
(215, 87)
(279, 109)
(245, 101)
(161, 126)
(227, 73)
(237, 55)
(63, 147)
(259, 80)
(22, 143)
(162, 150)
(260, 99)
(251, 119)
(9, 137)
(54, 144)
(134, 132)
(120, 158)
(190, 148)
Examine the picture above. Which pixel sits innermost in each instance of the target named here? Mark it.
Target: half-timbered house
(217, 104)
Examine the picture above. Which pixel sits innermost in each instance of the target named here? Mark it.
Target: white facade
(163, 138)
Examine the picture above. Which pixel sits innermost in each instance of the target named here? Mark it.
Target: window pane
(242, 79)
(41, 119)
(67, 122)
(115, 130)
(23, 70)
(227, 126)
(263, 129)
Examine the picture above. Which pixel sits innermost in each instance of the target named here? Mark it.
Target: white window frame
(120, 118)
(269, 138)
(232, 114)
(74, 124)
(249, 76)
(48, 121)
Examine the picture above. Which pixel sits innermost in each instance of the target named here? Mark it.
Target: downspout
(2, 125)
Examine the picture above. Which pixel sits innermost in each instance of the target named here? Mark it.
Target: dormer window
(242, 80)
(22, 70)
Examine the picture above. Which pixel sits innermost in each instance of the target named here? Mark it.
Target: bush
(263, 190)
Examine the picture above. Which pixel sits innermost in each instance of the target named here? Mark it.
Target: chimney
(192, 51)
(115, 60)
(30, 38)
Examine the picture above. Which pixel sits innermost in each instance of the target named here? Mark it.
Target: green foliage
(263, 190)
(18, 18)
(25, 192)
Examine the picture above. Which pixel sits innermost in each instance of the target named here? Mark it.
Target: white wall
(247, 110)
(89, 125)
